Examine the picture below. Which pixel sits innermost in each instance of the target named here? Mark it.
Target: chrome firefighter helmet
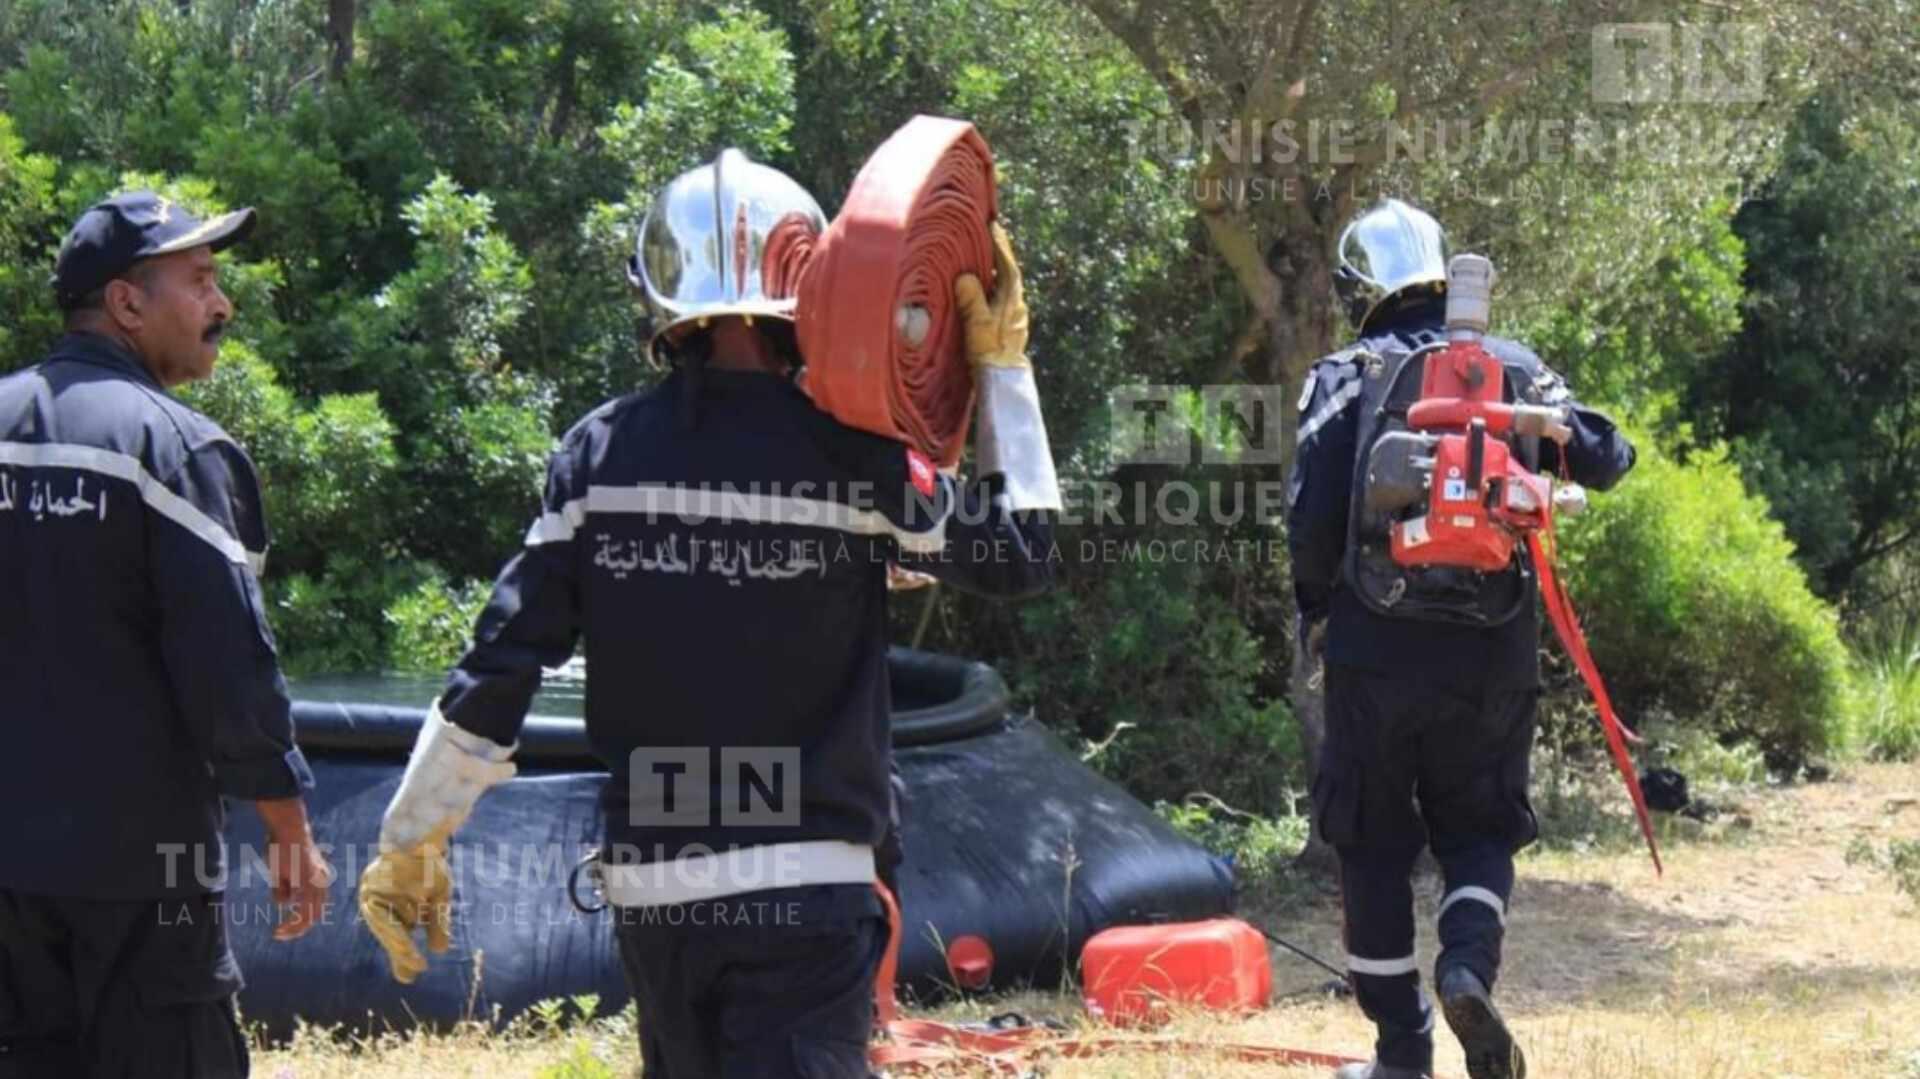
(1389, 253)
(702, 249)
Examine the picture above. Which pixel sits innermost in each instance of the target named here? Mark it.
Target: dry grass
(470, 1053)
(1761, 953)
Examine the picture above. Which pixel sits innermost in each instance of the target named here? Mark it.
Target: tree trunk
(1302, 334)
(568, 94)
(1310, 711)
(341, 15)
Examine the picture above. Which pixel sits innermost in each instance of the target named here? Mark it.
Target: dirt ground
(1760, 953)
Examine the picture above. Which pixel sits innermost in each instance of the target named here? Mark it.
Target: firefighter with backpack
(1424, 451)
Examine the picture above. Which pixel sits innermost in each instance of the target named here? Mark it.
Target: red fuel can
(1132, 973)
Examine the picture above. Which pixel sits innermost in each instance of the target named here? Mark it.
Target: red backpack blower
(1480, 500)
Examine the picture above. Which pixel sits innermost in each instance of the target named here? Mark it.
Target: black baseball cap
(128, 227)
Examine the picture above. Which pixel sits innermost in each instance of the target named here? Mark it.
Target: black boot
(1490, 1048)
(1376, 1070)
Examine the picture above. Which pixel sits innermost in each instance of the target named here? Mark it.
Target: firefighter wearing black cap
(141, 679)
(1431, 675)
(722, 547)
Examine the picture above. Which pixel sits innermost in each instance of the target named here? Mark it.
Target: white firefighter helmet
(1390, 251)
(702, 247)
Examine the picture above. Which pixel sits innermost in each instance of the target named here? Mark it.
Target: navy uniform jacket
(730, 584)
(1323, 474)
(139, 676)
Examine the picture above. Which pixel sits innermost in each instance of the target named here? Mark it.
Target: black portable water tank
(1007, 836)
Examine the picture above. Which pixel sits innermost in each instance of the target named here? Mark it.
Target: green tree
(1821, 391)
(27, 219)
(447, 193)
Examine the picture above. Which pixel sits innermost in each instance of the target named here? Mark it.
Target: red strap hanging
(1560, 613)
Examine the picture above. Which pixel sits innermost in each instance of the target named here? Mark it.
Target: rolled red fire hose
(876, 321)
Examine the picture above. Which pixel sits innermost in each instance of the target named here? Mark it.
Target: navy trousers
(117, 989)
(1410, 763)
(770, 985)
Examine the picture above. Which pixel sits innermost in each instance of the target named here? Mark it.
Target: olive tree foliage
(1295, 114)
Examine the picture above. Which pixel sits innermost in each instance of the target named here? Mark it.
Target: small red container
(1130, 974)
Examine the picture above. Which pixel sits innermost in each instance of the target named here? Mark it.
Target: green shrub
(325, 471)
(1696, 610)
(1259, 848)
(27, 223)
(1886, 694)
(1577, 797)
(1709, 762)
(594, 1042)
(431, 626)
(1158, 664)
(315, 630)
(1900, 862)
(335, 621)
(469, 420)
(581, 1062)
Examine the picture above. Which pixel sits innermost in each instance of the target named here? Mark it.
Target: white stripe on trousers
(1476, 894)
(1383, 968)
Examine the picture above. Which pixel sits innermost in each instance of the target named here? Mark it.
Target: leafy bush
(1637, 343)
(1900, 861)
(1152, 655)
(325, 471)
(469, 421)
(1577, 798)
(1258, 848)
(335, 620)
(1696, 610)
(432, 625)
(1818, 391)
(315, 628)
(26, 220)
(1708, 762)
(594, 1042)
(1886, 694)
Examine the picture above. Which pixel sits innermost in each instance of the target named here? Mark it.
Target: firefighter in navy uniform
(1431, 675)
(722, 547)
(140, 678)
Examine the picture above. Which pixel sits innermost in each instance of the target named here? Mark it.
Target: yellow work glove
(996, 329)
(405, 890)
